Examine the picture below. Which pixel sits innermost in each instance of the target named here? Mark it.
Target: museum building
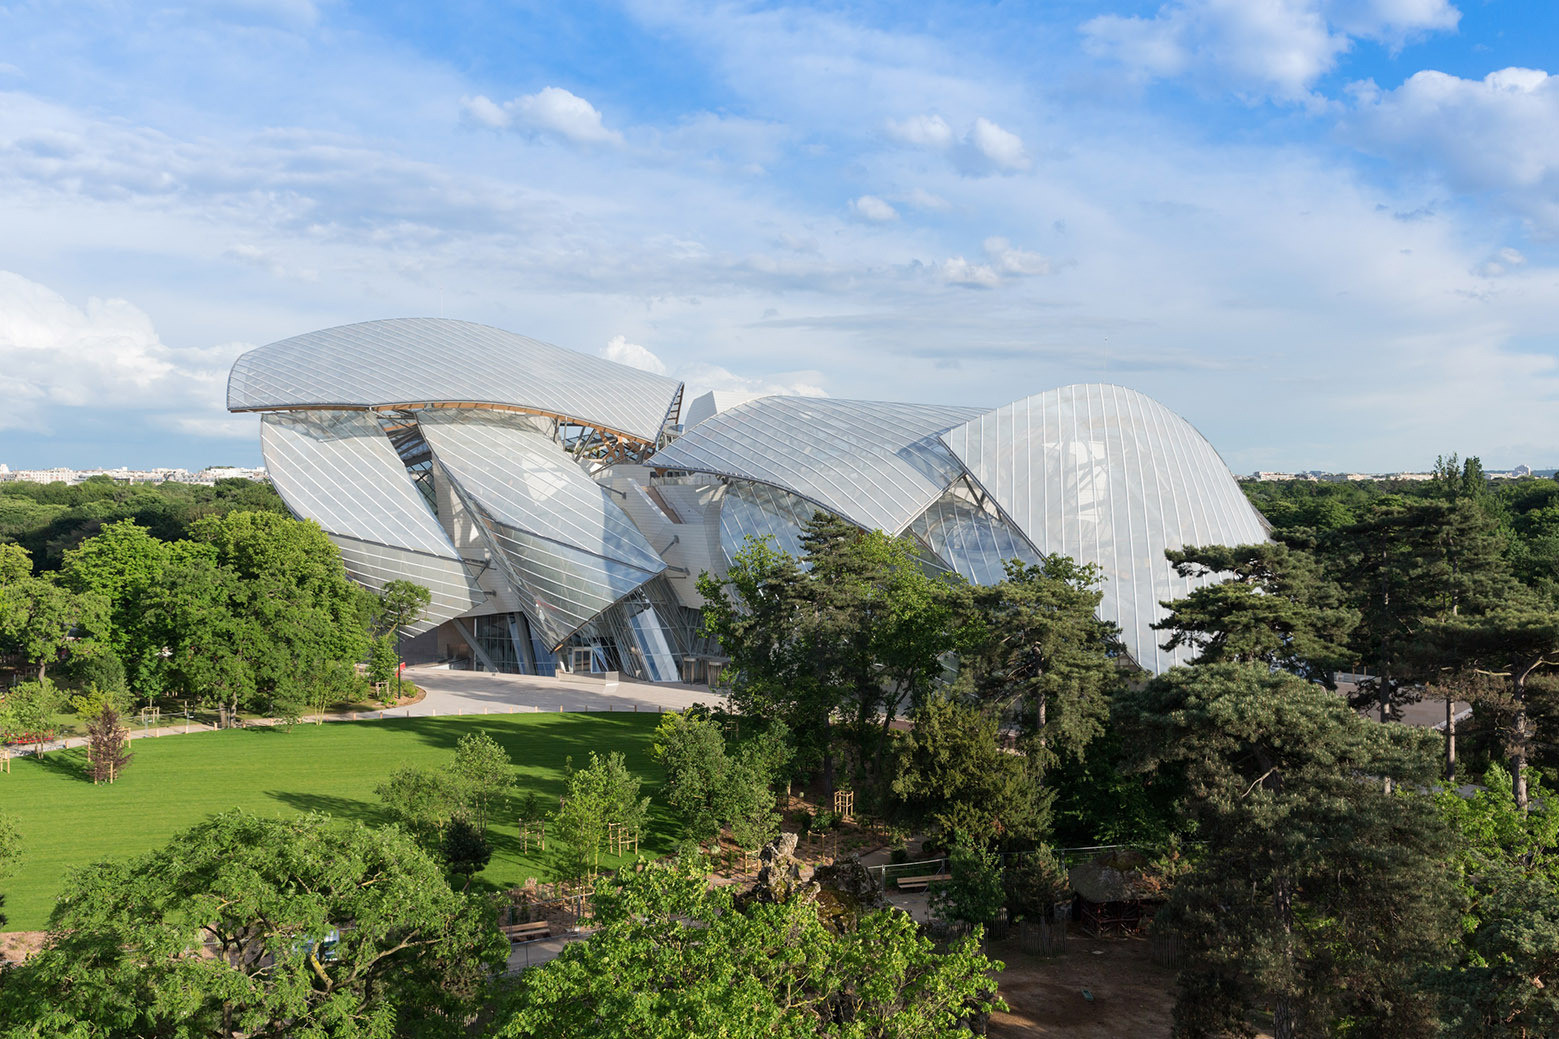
(560, 510)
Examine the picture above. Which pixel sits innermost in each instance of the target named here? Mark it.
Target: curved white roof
(876, 464)
(410, 361)
(1109, 476)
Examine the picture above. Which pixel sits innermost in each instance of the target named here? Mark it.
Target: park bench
(920, 883)
(534, 931)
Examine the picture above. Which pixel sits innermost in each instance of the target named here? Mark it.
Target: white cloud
(701, 378)
(1002, 261)
(920, 198)
(984, 148)
(873, 209)
(1263, 48)
(1000, 149)
(551, 110)
(1494, 134)
(1502, 262)
(922, 131)
(1009, 260)
(633, 355)
(54, 354)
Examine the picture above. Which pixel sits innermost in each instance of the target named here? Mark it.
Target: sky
(1325, 232)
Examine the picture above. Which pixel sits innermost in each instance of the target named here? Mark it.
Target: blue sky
(1323, 231)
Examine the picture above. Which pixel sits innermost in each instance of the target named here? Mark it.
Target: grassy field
(175, 781)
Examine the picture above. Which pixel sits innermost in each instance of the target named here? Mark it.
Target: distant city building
(206, 477)
(561, 514)
(1521, 470)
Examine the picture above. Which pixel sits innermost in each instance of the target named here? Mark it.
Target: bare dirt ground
(18, 945)
(1132, 995)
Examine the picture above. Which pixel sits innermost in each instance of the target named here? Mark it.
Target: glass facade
(491, 468)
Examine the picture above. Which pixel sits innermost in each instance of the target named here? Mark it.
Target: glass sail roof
(878, 465)
(1109, 476)
(434, 360)
(338, 469)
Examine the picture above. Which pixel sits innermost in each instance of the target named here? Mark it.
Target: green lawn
(175, 781)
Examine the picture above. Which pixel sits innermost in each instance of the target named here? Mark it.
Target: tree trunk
(1450, 740)
(1283, 1005)
(1520, 744)
(1384, 698)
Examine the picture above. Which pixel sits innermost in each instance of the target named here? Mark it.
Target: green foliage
(1316, 891)
(465, 849)
(1507, 862)
(382, 660)
(1098, 800)
(602, 793)
(1273, 606)
(675, 957)
(49, 520)
(857, 627)
(41, 621)
(314, 929)
(468, 788)
(30, 708)
(954, 775)
(399, 604)
(976, 893)
(1034, 884)
(711, 788)
(1032, 645)
(483, 777)
(10, 855)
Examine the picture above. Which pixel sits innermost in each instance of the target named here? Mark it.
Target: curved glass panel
(523, 479)
(877, 465)
(338, 469)
(411, 360)
(1108, 476)
(972, 542)
(756, 510)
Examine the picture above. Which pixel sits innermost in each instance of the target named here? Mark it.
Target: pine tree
(107, 746)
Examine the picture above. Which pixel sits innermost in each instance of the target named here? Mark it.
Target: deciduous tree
(260, 927)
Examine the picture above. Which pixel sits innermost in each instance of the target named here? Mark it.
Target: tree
(954, 774)
(975, 893)
(483, 776)
(673, 956)
(855, 627)
(601, 794)
(29, 709)
(40, 620)
(1513, 643)
(1033, 645)
(107, 745)
(1507, 861)
(399, 605)
(122, 563)
(1317, 891)
(465, 849)
(383, 662)
(710, 787)
(260, 927)
(1274, 607)
(469, 787)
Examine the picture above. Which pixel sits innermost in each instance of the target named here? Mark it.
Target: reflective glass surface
(1111, 477)
(409, 360)
(877, 465)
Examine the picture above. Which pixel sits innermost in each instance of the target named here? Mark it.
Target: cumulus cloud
(922, 131)
(54, 354)
(551, 110)
(633, 355)
(984, 148)
(1494, 134)
(701, 378)
(874, 209)
(1002, 260)
(1274, 48)
(1502, 262)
